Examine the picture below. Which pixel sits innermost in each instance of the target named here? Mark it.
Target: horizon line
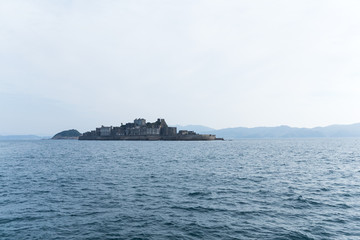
(199, 125)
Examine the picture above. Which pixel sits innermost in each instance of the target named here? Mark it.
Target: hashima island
(142, 130)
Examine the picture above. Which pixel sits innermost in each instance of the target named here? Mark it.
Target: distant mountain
(22, 137)
(352, 130)
(68, 134)
(195, 128)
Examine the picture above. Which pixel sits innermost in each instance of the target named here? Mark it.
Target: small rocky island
(142, 130)
(68, 134)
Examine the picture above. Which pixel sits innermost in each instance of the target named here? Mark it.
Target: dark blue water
(247, 189)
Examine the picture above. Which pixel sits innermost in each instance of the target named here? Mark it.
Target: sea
(241, 189)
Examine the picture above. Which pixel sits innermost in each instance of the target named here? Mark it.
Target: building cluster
(138, 128)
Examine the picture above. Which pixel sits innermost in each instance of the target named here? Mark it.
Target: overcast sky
(80, 64)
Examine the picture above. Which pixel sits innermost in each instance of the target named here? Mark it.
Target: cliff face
(68, 134)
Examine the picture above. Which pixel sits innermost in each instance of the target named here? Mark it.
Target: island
(147, 131)
(68, 134)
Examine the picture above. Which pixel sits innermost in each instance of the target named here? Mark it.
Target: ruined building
(142, 130)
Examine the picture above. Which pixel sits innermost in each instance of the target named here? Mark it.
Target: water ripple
(248, 189)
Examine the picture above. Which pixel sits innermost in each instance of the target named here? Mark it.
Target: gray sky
(80, 64)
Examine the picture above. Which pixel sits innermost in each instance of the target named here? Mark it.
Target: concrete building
(142, 130)
(105, 131)
(140, 122)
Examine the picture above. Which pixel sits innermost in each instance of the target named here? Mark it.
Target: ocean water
(246, 189)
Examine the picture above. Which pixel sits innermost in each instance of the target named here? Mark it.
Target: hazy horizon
(220, 64)
(50, 134)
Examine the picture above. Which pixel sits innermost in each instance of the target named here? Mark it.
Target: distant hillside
(352, 130)
(21, 137)
(68, 134)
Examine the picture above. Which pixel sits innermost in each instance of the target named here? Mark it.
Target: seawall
(198, 137)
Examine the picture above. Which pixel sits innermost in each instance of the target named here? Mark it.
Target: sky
(218, 63)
